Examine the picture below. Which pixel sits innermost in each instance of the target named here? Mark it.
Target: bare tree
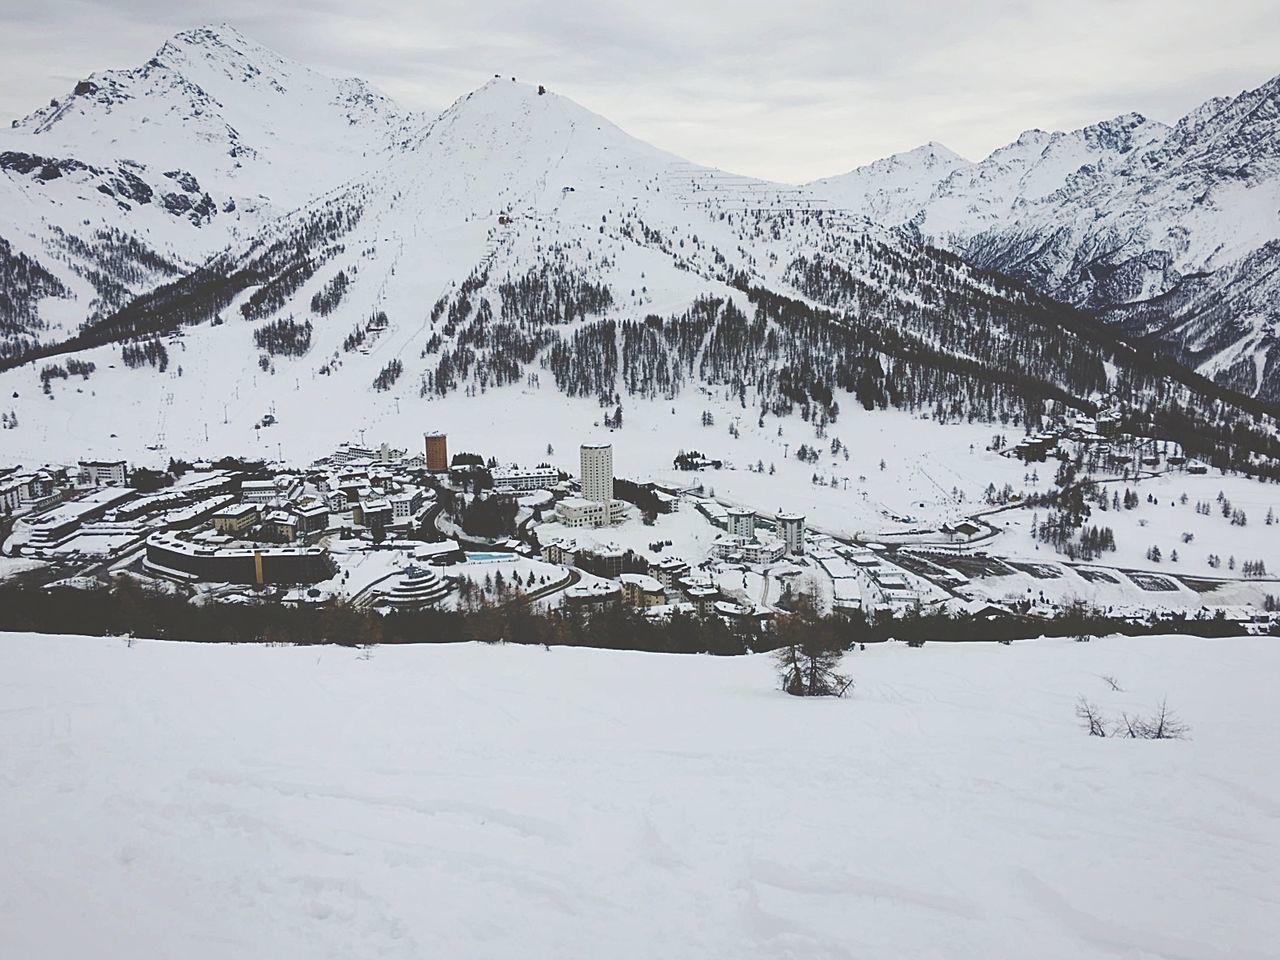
(1091, 717)
(1113, 683)
(1132, 728)
(1164, 724)
(810, 654)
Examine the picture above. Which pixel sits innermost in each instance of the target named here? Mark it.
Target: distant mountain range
(1169, 232)
(303, 234)
(137, 176)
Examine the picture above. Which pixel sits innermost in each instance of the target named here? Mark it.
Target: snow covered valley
(168, 799)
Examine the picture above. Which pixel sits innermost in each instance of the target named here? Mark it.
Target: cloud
(790, 91)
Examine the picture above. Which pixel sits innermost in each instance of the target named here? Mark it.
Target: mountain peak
(223, 34)
(934, 152)
(219, 45)
(500, 89)
(924, 157)
(1122, 133)
(507, 109)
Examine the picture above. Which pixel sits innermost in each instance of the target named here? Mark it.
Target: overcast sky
(786, 89)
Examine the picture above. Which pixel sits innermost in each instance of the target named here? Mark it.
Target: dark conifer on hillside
(284, 336)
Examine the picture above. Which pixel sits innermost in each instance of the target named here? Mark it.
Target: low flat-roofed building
(592, 593)
(280, 526)
(668, 571)
(604, 561)
(50, 528)
(212, 558)
(259, 491)
(313, 518)
(235, 519)
(11, 494)
(372, 513)
(103, 473)
(762, 549)
(759, 549)
(404, 505)
(703, 596)
(559, 551)
(580, 512)
(438, 552)
(522, 479)
(641, 590)
(726, 546)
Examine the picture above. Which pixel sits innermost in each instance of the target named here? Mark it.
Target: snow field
(480, 801)
(1163, 523)
(529, 570)
(923, 459)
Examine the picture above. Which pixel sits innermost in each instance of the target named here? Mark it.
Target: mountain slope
(523, 244)
(1143, 223)
(539, 217)
(138, 175)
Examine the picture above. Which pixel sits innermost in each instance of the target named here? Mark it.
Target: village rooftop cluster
(392, 528)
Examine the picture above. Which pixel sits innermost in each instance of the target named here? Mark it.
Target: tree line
(128, 608)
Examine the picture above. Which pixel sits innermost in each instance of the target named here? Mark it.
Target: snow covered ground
(484, 572)
(1162, 524)
(13, 566)
(924, 461)
(688, 531)
(471, 801)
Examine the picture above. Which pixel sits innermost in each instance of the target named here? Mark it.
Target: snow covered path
(175, 800)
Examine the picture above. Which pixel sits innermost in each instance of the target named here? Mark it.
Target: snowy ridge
(138, 175)
(522, 242)
(237, 114)
(1124, 217)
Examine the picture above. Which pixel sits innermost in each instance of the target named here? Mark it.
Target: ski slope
(471, 801)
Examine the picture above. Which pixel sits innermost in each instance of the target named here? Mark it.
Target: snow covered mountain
(136, 176)
(521, 243)
(521, 237)
(1170, 232)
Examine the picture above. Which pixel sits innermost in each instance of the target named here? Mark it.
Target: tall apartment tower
(597, 472)
(791, 530)
(437, 452)
(742, 523)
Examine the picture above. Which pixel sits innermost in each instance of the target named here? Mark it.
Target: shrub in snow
(1164, 724)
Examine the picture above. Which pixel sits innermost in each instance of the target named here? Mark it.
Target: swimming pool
(489, 557)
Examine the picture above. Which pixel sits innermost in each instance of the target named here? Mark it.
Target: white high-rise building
(596, 507)
(791, 532)
(742, 523)
(597, 472)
